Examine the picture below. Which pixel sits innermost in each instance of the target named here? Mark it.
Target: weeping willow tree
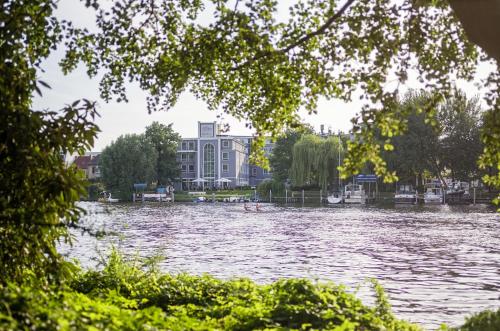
(315, 161)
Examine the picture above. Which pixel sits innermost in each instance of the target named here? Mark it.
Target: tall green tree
(445, 145)
(281, 158)
(129, 160)
(418, 150)
(460, 141)
(37, 190)
(316, 161)
(165, 140)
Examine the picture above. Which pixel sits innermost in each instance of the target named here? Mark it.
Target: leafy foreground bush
(124, 297)
(484, 321)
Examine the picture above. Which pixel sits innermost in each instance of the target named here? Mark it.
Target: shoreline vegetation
(313, 197)
(263, 71)
(130, 295)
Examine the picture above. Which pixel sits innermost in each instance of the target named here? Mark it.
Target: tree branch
(322, 29)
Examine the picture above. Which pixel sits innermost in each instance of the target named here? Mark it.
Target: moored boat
(335, 198)
(354, 193)
(433, 193)
(405, 194)
(458, 194)
(200, 199)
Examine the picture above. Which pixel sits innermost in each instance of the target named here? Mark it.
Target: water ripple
(438, 263)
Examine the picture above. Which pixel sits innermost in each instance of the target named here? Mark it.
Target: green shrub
(277, 189)
(130, 295)
(133, 296)
(484, 321)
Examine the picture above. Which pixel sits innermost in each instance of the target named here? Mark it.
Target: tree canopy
(245, 61)
(165, 141)
(461, 122)
(445, 144)
(261, 69)
(37, 190)
(148, 158)
(281, 158)
(129, 160)
(315, 161)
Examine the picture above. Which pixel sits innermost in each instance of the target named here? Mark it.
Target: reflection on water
(438, 264)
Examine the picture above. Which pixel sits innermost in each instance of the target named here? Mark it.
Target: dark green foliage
(315, 161)
(490, 158)
(418, 150)
(129, 160)
(460, 143)
(37, 190)
(94, 189)
(125, 296)
(484, 321)
(145, 158)
(277, 188)
(282, 156)
(445, 142)
(165, 141)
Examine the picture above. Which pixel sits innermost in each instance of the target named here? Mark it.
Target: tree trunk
(481, 22)
(438, 173)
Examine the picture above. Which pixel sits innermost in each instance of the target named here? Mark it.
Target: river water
(438, 264)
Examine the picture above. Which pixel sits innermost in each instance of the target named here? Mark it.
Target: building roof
(82, 161)
(94, 160)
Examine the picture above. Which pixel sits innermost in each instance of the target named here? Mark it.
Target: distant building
(212, 158)
(89, 164)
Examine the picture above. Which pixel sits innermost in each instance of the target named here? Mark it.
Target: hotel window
(191, 157)
(266, 172)
(183, 167)
(225, 167)
(191, 145)
(254, 171)
(184, 146)
(225, 143)
(209, 160)
(225, 156)
(183, 157)
(191, 168)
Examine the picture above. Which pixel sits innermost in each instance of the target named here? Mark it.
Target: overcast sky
(132, 117)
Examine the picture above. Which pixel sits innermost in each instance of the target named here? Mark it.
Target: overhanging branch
(322, 29)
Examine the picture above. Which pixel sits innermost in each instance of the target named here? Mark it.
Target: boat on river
(106, 197)
(354, 193)
(335, 198)
(458, 194)
(200, 199)
(405, 194)
(433, 193)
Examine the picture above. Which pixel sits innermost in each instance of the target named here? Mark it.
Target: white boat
(433, 193)
(405, 194)
(160, 197)
(107, 198)
(335, 198)
(354, 193)
(458, 194)
(200, 199)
